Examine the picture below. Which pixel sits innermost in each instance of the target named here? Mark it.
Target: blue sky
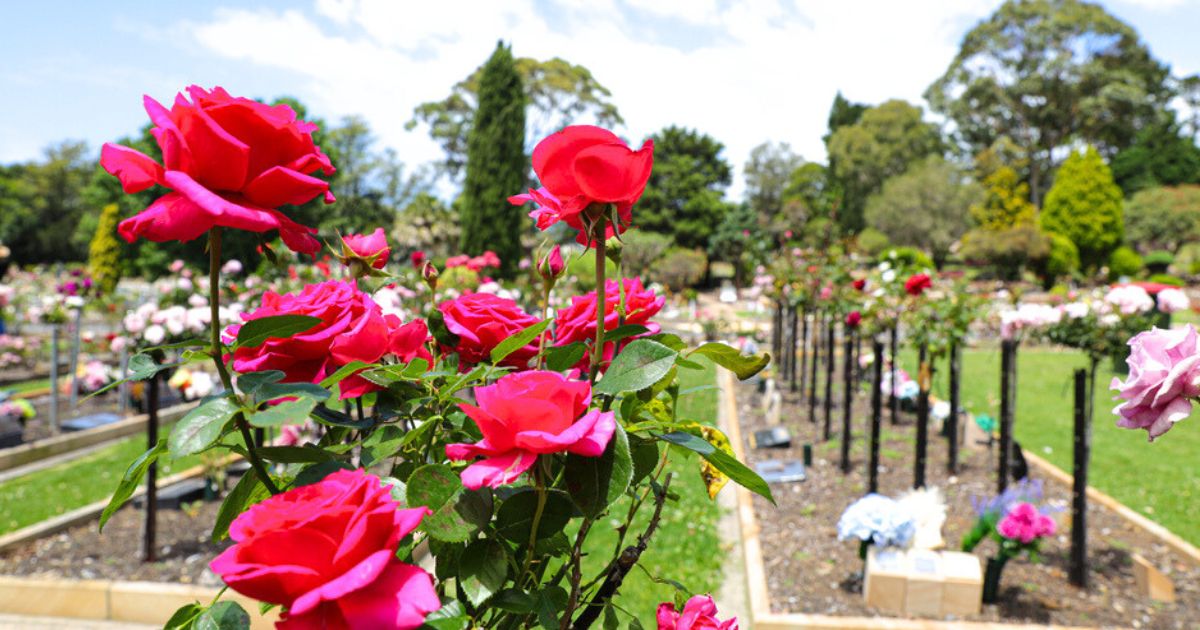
(745, 71)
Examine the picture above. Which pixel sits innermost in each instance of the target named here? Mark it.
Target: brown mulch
(82, 552)
(809, 571)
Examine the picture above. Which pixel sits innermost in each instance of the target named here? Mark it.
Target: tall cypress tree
(496, 164)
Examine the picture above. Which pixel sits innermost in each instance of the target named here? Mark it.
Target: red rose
(327, 552)
(353, 328)
(917, 284)
(582, 165)
(371, 247)
(860, 284)
(527, 414)
(229, 162)
(482, 321)
(577, 322)
(418, 259)
(853, 319)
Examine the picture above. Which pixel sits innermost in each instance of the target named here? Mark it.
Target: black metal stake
(777, 332)
(812, 385)
(893, 402)
(847, 394)
(830, 345)
(924, 375)
(1078, 574)
(793, 341)
(876, 416)
(803, 355)
(150, 527)
(1008, 386)
(952, 421)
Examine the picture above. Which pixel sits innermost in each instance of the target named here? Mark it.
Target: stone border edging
(67, 442)
(1168, 538)
(93, 510)
(104, 600)
(756, 578)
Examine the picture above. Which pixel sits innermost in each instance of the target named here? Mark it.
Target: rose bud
(853, 319)
(429, 273)
(551, 266)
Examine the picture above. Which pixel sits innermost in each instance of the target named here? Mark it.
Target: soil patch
(809, 571)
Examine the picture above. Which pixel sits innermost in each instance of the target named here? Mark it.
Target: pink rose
(371, 247)
(353, 328)
(486, 260)
(699, 613)
(327, 552)
(461, 260)
(853, 319)
(526, 414)
(583, 165)
(482, 321)
(229, 162)
(1164, 375)
(1025, 523)
(418, 259)
(577, 322)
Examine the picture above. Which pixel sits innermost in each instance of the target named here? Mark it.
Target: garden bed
(809, 571)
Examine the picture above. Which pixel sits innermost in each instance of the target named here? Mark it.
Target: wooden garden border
(757, 593)
(67, 442)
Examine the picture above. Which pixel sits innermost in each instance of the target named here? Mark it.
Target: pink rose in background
(1025, 523)
(699, 613)
(526, 414)
(1172, 300)
(327, 552)
(372, 247)
(577, 322)
(1164, 375)
(486, 260)
(461, 260)
(853, 319)
(229, 162)
(417, 259)
(482, 321)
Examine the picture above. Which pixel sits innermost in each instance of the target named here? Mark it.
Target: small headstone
(775, 409)
(962, 577)
(89, 421)
(768, 393)
(923, 594)
(780, 471)
(10, 432)
(1151, 582)
(777, 437)
(884, 586)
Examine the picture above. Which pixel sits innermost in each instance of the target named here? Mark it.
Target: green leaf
(184, 618)
(518, 341)
(624, 332)
(385, 442)
(266, 386)
(482, 570)
(728, 357)
(563, 358)
(514, 520)
(257, 331)
(290, 412)
(316, 472)
(201, 427)
(343, 372)
(670, 340)
(594, 483)
(735, 470)
(457, 512)
(448, 617)
(335, 418)
(514, 601)
(307, 454)
(226, 615)
(641, 364)
(142, 366)
(644, 454)
(130, 480)
(550, 601)
(248, 491)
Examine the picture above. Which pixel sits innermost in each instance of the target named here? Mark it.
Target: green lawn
(1160, 480)
(28, 386)
(46, 493)
(686, 548)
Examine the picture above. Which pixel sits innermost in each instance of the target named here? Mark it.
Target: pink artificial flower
(1025, 523)
(526, 414)
(371, 247)
(229, 162)
(327, 551)
(1164, 377)
(699, 613)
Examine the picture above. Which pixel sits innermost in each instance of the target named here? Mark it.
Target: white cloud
(770, 74)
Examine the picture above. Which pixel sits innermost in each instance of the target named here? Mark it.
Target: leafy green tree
(1050, 74)
(1163, 218)
(739, 240)
(428, 225)
(768, 173)
(1084, 205)
(640, 250)
(558, 93)
(926, 207)
(104, 254)
(371, 186)
(496, 164)
(1160, 156)
(685, 195)
(843, 113)
(49, 205)
(1005, 203)
(809, 195)
(885, 142)
(1008, 251)
(1061, 260)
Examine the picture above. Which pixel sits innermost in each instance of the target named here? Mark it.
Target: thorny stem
(576, 570)
(540, 486)
(601, 293)
(214, 297)
(541, 358)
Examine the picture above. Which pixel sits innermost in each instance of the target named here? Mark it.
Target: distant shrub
(680, 268)
(1124, 262)
(1166, 278)
(1158, 261)
(871, 241)
(1063, 259)
(910, 257)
